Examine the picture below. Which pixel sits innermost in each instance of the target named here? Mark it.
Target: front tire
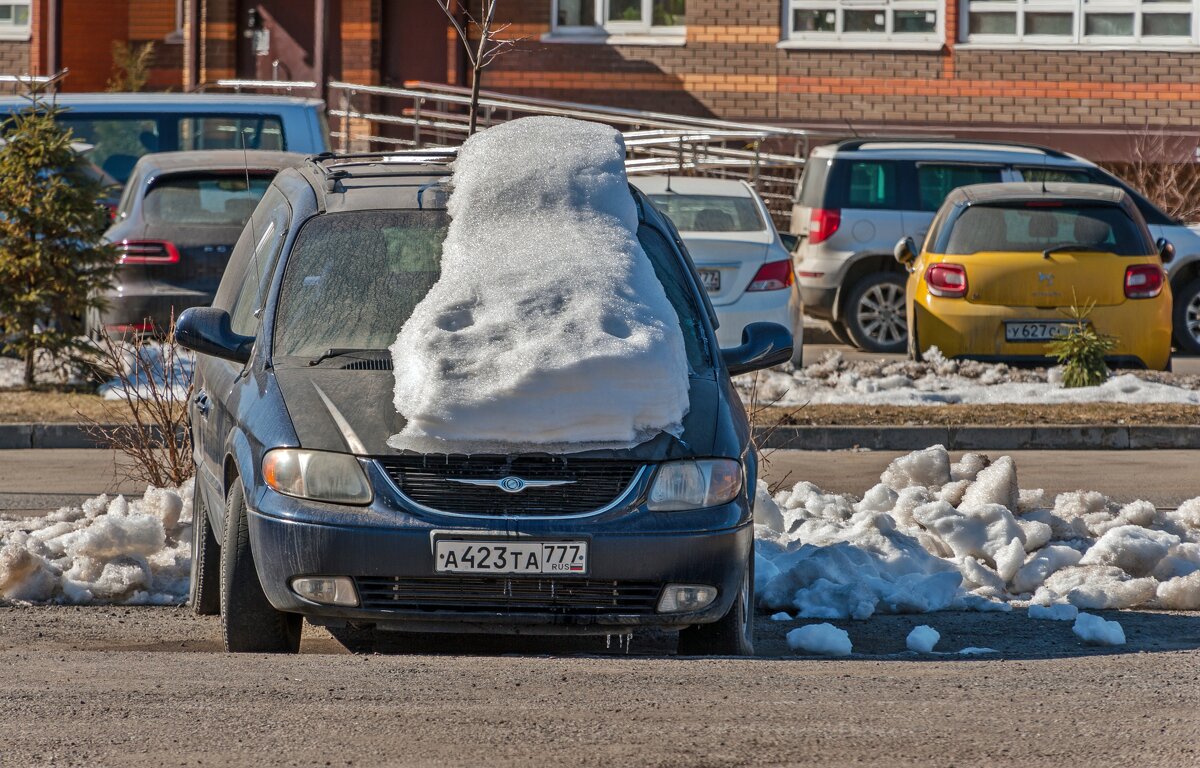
(732, 634)
(875, 313)
(205, 592)
(1186, 318)
(249, 623)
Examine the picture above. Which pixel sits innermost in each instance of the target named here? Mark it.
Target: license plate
(1034, 331)
(505, 557)
(711, 279)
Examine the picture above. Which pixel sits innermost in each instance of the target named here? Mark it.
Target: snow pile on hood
(938, 381)
(548, 326)
(935, 535)
(109, 550)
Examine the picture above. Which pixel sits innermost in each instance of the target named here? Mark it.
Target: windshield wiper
(1070, 247)
(339, 351)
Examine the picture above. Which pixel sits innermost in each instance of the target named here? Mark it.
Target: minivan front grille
(453, 483)
(490, 594)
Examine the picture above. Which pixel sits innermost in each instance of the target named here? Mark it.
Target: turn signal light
(147, 252)
(822, 223)
(773, 276)
(1144, 281)
(947, 280)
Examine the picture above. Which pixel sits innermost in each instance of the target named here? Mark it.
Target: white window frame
(17, 31)
(601, 27)
(1078, 36)
(839, 38)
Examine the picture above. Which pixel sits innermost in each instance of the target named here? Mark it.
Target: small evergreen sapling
(1081, 350)
(53, 265)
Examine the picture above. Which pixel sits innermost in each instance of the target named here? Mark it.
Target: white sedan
(737, 251)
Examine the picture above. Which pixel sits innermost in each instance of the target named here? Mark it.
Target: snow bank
(937, 381)
(548, 326)
(936, 535)
(922, 639)
(108, 550)
(1056, 612)
(148, 371)
(1094, 630)
(822, 639)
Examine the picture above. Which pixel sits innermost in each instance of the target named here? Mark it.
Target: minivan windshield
(354, 278)
(1038, 226)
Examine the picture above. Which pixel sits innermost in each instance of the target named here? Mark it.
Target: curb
(1033, 437)
(818, 438)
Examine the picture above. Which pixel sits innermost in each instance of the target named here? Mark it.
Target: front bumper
(387, 547)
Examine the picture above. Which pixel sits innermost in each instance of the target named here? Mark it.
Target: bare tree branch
(489, 47)
(1163, 168)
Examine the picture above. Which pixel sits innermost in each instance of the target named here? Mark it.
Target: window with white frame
(1083, 22)
(865, 21)
(14, 20)
(620, 17)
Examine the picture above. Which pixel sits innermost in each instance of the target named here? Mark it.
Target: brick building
(1085, 75)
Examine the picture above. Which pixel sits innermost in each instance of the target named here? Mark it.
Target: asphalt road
(101, 686)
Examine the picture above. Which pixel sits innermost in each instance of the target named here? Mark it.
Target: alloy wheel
(881, 314)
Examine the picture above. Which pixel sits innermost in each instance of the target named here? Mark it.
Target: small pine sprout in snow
(821, 639)
(1094, 630)
(1055, 612)
(781, 616)
(922, 639)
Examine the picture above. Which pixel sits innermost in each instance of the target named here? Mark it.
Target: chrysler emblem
(510, 484)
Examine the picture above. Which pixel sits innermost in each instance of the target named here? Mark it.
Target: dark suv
(302, 509)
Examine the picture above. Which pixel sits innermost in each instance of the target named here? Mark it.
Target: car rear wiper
(339, 351)
(1070, 247)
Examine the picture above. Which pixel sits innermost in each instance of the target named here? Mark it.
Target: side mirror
(206, 330)
(763, 345)
(1166, 250)
(905, 251)
(790, 241)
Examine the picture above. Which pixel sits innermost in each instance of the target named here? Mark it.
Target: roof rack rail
(335, 158)
(853, 144)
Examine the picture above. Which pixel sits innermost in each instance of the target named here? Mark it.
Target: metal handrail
(287, 85)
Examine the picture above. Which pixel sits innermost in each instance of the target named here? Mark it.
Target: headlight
(316, 475)
(695, 484)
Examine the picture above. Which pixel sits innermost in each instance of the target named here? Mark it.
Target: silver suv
(859, 197)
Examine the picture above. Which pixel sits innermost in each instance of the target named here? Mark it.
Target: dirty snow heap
(548, 328)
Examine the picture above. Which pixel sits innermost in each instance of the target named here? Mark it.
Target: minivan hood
(351, 411)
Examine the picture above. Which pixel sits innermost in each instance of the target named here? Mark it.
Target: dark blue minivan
(303, 510)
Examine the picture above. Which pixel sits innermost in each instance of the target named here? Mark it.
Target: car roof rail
(849, 145)
(336, 166)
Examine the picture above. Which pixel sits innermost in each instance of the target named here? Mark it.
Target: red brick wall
(730, 67)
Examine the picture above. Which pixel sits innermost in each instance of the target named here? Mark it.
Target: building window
(1082, 22)
(620, 17)
(865, 22)
(14, 20)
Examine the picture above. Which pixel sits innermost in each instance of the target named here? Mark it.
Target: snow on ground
(548, 326)
(822, 639)
(150, 369)
(48, 369)
(922, 639)
(938, 381)
(109, 550)
(936, 535)
(1094, 630)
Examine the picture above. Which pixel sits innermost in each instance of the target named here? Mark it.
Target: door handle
(202, 403)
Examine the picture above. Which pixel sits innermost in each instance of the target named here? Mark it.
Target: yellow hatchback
(1003, 264)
